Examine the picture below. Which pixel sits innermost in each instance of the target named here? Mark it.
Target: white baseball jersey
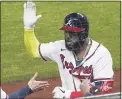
(3, 94)
(97, 64)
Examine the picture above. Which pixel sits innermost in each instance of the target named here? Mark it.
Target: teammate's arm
(30, 19)
(33, 86)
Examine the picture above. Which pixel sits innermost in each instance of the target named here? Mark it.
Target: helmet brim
(72, 29)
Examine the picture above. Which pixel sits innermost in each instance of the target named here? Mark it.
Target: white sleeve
(48, 51)
(3, 94)
(103, 67)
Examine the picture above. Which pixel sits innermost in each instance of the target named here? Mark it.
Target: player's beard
(75, 47)
(74, 41)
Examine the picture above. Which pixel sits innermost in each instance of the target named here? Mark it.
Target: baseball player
(78, 56)
(33, 86)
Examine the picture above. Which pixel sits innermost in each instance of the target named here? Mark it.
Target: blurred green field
(16, 65)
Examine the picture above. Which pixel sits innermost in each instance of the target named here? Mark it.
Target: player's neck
(83, 51)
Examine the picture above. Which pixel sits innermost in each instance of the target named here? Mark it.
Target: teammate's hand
(30, 17)
(85, 86)
(37, 85)
(61, 93)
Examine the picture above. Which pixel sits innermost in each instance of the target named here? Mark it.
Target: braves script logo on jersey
(80, 72)
(66, 64)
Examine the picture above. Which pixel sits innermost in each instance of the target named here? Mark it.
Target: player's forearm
(31, 43)
(21, 94)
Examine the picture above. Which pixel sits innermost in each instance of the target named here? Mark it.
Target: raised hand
(29, 16)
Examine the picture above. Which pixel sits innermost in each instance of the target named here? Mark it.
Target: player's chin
(76, 48)
(73, 47)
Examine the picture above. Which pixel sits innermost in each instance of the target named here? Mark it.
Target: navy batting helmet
(75, 24)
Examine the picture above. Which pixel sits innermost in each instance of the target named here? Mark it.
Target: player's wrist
(27, 87)
(28, 30)
(29, 27)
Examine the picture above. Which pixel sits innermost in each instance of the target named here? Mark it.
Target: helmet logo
(70, 22)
